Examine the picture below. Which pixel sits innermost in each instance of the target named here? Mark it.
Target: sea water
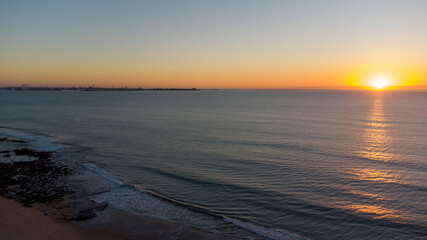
(281, 163)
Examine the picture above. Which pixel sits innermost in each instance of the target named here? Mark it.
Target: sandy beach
(43, 198)
(19, 222)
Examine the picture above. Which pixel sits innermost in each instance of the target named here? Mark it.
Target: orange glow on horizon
(388, 77)
(225, 77)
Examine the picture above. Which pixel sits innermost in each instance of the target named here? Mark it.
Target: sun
(380, 82)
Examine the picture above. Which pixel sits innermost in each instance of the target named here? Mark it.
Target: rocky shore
(37, 180)
(52, 196)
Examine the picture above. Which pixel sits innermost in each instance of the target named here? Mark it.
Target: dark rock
(85, 208)
(17, 141)
(85, 215)
(41, 183)
(41, 155)
(33, 181)
(13, 140)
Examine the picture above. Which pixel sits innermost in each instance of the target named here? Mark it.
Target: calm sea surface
(321, 164)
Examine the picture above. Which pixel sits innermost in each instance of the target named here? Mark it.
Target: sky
(241, 44)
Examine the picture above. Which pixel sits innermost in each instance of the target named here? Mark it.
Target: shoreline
(42, 197)
(19, 222)
(132, 150)
(50, 177)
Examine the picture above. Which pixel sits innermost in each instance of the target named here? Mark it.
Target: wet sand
(144, 227)
(19, 222)
(44, 199)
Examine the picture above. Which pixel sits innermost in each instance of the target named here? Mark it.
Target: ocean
(283, 164)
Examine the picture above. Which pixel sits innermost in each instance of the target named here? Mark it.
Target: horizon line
(391, 88)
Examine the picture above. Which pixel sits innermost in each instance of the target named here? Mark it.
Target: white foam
(131, 199)
(276, 234)
(18, 135)
(140, 202)
(102, 173)
(137, 201)
(40, 143)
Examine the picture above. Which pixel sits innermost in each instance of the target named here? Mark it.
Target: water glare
(377, 146)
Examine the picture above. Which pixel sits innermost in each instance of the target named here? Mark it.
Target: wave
(139, 201)
(37, 142)
(136, 200)
(276, 234)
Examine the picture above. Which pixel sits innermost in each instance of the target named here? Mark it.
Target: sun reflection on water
(377, 212)
(367, 195)
(371, 174)
(377, 139)
(377, 145)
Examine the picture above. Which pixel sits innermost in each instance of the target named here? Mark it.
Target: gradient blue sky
(220, 44)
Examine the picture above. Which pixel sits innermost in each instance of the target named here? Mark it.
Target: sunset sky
(213, 44)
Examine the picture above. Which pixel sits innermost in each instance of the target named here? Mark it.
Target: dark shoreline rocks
(4, 139)
(41, 155)
(33, 181)
(41, 182)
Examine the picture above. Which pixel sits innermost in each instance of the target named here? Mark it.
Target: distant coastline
(27, 88)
